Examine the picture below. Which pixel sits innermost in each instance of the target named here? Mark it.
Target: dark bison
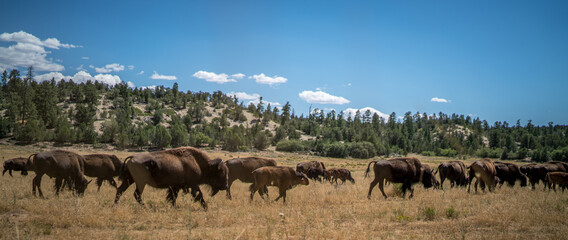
(282, 177)
(560, 178)
(510, 173)
(315, 173)
(303, 167)
(400, 170)
(485, 174)
(454, 171)
(174, 169)
(537, 172)
(17, 164)
(103, 167)
(241, 169)
(332, 174)
(61, 165)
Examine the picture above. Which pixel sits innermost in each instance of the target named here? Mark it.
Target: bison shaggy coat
(103, 167)
(537, 172)
(282, 177)
(560, 178)
(485, 174)
(174, 169)
(400, 170)
(17, 164)
(343, 174)
(454, 171)
(61, 165)
(303, 167)
(510, 173)
(241, 169)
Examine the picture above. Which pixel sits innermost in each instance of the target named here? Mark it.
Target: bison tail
(322, 165)
(124, 169)
(369, 168)
(30, 159)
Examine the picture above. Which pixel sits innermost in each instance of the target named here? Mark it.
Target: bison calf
(17, 164)
(241, 169)
(560, 178)
(282, 177)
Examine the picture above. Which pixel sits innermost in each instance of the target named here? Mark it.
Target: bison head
(428, 178)
(303, 178)
(219, 176)
(81, 186)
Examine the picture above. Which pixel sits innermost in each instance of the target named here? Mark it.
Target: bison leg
(229, 189)
(199, 196)
(58, 183)
(10, 172)
(112, 182)
(411, 191)
(282, 192)
(373, 184)
(172, 195)
(125, 184)
(99, 184)
(138, 193)
(37, 183)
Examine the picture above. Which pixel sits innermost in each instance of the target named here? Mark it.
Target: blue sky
(496, 60)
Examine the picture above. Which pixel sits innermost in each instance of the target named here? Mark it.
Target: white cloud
(263, 79)
(351, 112)
(110, 67)
(349, 84)
(91, 66)
(254, 98)
(244, 96)
(130, 67)
(141, 72)
(29, 50)
(216, 78)
(238, 76)
(318, 89)
(162, 77)
(153, 87)
(85, 58)
(80, 77)
(440, 100)
(24, 37)
(81, 68)
(130, 84)
(322, 98)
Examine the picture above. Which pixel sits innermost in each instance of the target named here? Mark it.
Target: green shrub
(290, 146)
(452, 213)
(362, 150)
(428, 153)
(337, 150)
(429, 213)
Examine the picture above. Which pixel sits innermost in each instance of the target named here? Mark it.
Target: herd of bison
(187, 168)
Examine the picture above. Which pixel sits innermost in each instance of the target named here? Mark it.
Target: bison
(537, 172)
(241, 169)
(510, 173)
(61, 165)
(17, 164)
(400, 170)
(560, 178)
(315, 173)
(103, 167)
(282, 177)
(454, 171)
(174, 169)
(485, 174)
(303, 167)
(343, 174)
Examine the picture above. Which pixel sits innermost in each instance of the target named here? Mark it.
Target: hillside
(66, 113)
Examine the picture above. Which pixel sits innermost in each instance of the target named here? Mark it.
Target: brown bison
(510, 173)
(282, 177)
(241, 169)
(174, 169)
(343, 174)
(303, 167)
(455, 171)
(103, 167)
(485, 174)
(17, 164)
(316, 173)
(400, 170)
(560, 178)
(61, 165)
(537, 172)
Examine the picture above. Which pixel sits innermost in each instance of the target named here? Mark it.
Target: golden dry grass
(316, 211)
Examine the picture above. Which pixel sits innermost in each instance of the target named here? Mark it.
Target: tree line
(66, 112)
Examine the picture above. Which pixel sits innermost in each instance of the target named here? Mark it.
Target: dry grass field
(316, 211)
